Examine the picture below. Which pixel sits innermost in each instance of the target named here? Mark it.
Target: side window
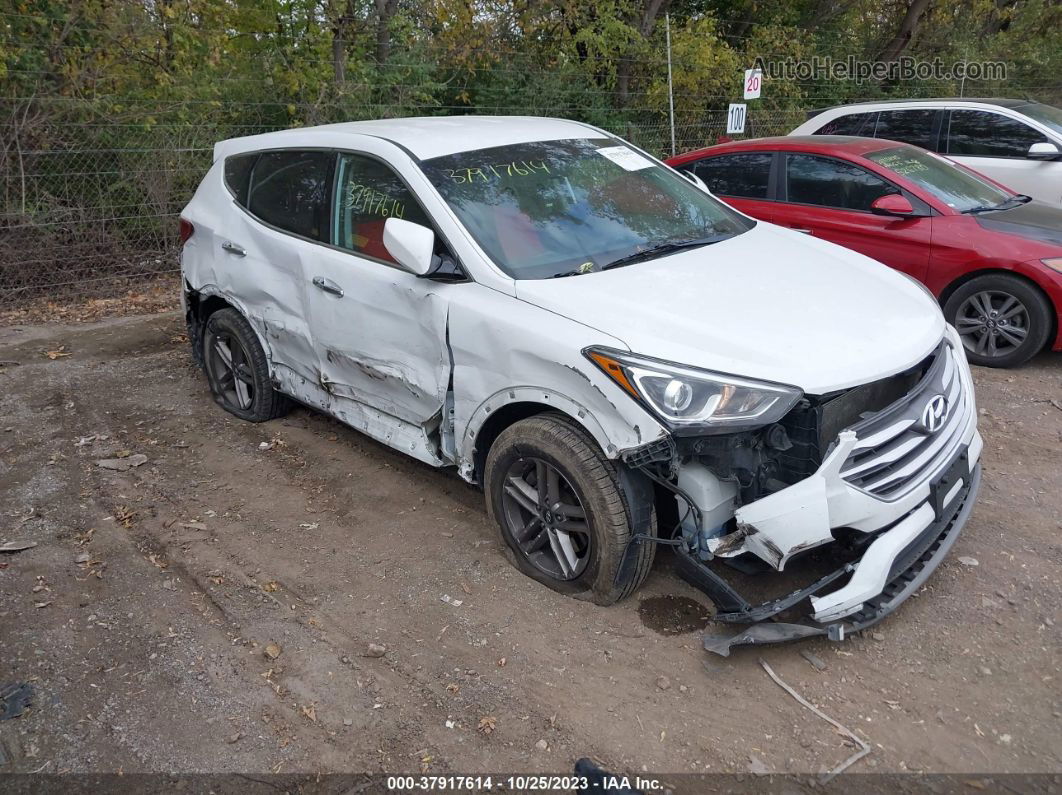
(981, 133)
(744, 175)
(852, 124)
(238, 175)
(290, 191)
(916, 127)
(831, 183)
(367, 194)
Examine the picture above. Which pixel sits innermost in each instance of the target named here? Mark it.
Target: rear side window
(367, 194)
(238, 175)
(831, 183)
(852, 124)
(916, 127)
(290, 190)
(981, 133)
(745, 175)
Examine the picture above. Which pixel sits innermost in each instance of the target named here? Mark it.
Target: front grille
(894, 451)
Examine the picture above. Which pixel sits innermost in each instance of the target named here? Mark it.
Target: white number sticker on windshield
(625, 158)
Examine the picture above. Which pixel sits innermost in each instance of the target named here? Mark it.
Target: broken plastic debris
(17, 546)
(122, 464)
(450, 600)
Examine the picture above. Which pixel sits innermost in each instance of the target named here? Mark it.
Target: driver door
(379, 331)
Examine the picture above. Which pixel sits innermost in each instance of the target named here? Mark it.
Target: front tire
(564, 513)
(1003, 320)
(237, 369)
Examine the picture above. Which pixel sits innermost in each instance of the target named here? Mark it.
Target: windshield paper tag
(625, 158)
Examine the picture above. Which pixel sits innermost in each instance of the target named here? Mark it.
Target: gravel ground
(269, 598)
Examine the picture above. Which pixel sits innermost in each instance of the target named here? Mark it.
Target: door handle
(232, 248)
(801, 229)
(329, 286)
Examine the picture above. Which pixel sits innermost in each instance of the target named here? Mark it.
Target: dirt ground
(213, 608)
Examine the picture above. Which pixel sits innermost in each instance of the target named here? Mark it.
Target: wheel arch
(965, 278)
(201, 304)
(507, 407)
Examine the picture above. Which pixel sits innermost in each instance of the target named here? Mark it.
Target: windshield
(553, 208)
(1048, 115)
(954, 186)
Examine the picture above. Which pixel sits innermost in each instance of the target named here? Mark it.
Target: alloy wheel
(230, 370)
(992, 323)
(546, 519)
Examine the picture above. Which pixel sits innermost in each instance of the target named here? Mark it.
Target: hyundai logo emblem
(934, 414)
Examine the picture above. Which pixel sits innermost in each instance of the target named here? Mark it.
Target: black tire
(1003, 320)
(246, 390)
(612, 566)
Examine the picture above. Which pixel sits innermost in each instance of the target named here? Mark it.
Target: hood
(1033, 220)
(769, 304)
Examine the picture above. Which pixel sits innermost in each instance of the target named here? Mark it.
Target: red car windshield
(956, 187)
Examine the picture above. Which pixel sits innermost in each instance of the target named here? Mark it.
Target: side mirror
(410, 244)
(894, 204)
(1043, 151)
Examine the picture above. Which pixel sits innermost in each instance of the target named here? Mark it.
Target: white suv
(1016, 142)
(617, 357)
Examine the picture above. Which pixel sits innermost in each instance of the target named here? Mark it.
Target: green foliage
(111, 107)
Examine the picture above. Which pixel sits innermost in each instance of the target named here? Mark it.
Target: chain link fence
(90, 209)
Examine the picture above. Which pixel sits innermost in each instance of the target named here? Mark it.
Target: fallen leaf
(310, 712)
(502, 662)
(270, 586)
(487, 724)
(272, 651)
(57, 353)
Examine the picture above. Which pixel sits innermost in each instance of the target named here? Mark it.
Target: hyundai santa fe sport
(619, 359)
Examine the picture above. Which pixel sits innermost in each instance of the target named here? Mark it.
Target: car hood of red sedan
(1033, 220)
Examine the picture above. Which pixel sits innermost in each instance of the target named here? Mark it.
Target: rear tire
(575, 534)
(237, 369)
(1003, 320)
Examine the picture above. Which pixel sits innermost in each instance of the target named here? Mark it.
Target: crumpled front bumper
(907, 488)
(917, 555)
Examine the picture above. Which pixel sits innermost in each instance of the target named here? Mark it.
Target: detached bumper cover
(901, 560)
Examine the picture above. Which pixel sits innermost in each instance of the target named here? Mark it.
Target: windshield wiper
(662, 248)
(1010, 201)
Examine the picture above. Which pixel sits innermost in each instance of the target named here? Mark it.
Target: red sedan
(993, 258)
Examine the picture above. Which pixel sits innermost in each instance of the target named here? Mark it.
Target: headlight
(1054, 263)
(692, 401)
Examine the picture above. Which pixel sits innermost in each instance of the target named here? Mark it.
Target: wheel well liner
(497, 422)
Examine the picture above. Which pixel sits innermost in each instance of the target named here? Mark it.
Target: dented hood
(770, 304)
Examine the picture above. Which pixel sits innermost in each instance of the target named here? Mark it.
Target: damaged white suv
(621, 360)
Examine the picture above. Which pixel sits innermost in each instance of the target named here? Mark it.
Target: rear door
(379, 331)
(744, 180)
(998, 146)
(830, 199)
(283, 197)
